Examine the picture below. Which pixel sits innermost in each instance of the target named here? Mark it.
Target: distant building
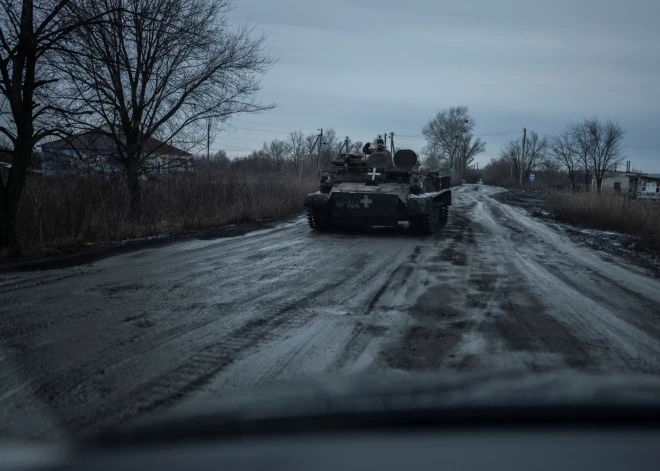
(644, 186)
(635, 185)
(613, 181)
(96, 153)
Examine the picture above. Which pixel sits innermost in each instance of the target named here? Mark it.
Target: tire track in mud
(520, 332)
(197, 370)
(281, 316)
(29, 283)
(574, 323)
(479, 312)
(273, 322)
(435, 324)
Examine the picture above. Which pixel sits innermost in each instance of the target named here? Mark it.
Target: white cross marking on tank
(366, 201)
(373, 174)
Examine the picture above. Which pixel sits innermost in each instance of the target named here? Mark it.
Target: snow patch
(164, 235)
(424, 195)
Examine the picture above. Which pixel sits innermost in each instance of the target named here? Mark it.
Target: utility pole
(318, 160)
(346, 144)
(511, 175)
(522, 158)
(392, 143)
(208, 140)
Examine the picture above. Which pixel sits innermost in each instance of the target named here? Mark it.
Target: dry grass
(75, 210)
(610, 211)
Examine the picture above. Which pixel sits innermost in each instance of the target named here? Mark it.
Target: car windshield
(194, 201)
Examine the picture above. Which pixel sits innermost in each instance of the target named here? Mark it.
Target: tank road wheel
(319, 220)
(430, 223)
(444, 215)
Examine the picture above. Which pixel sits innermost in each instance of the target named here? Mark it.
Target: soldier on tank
(380, 147)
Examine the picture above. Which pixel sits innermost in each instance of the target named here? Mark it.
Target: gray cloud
(369, 66)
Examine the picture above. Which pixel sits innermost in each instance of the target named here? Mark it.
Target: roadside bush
(610, 211)
(74, 209)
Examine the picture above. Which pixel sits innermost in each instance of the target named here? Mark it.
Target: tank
(379, 191)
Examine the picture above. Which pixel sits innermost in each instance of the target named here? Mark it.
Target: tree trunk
(586, 180)
(599, 182)
(10, 195)
(7, 221)
(133, 181)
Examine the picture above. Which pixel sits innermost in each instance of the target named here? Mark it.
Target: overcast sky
(365, 67)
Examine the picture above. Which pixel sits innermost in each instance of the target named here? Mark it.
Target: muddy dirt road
(96, 345)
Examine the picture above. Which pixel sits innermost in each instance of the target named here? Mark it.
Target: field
(609, 211)
(76, 210)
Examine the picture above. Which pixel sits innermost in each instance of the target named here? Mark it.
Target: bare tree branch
(29, 30)
(449, 138)
(161, 69)
(563, 150)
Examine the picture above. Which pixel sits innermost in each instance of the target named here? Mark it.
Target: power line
(411, 136)
(264, 130)
(239, 139)
(497, 134)
(229, 147)
(645, 148)
(262, 124)
(232, 150)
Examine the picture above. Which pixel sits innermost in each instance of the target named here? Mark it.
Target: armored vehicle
(378, 190)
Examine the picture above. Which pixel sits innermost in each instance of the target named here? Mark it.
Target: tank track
(430, 223)
(319, 220)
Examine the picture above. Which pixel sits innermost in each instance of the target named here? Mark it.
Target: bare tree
(564, 151)
(498, 171)
(535, 151)
(296, 148)
(468, 149)
(356, 148)
(221, 161)
(606, 140)
(277, 150)
(29, 31)
(512, 153)
(449, 136)
(583, 146)
(434, 159)
(161, 69)
(311, 151)
(550, 170)
(330, 147)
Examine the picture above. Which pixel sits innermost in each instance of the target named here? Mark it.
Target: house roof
(651, 176)
(613, 174)
(99, 141)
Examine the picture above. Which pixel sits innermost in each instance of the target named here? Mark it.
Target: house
(613, 181)
(96, 153)
(645, 186)
(636, 185)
